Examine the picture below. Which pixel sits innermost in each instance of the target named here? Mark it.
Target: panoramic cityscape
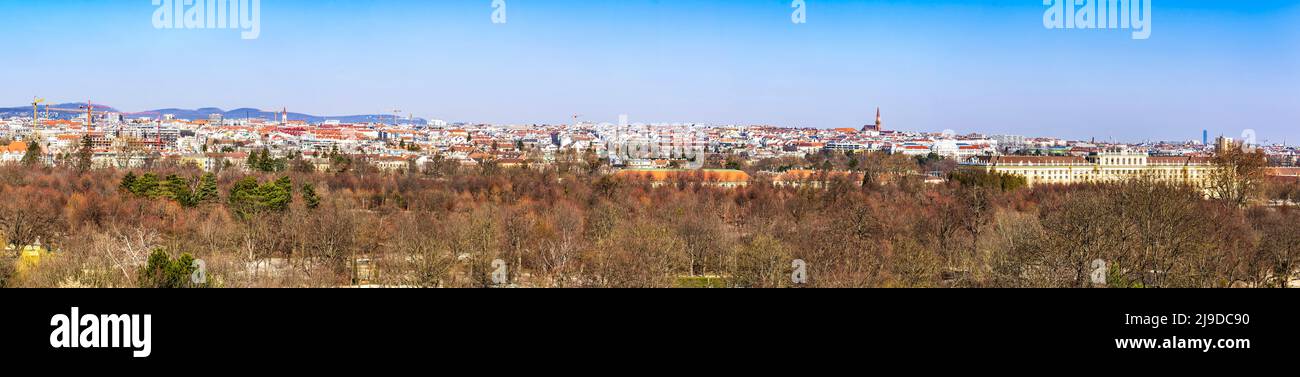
(355, 185)
(538, 197)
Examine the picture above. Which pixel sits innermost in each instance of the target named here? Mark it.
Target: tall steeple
(879, 126)
(880, 123)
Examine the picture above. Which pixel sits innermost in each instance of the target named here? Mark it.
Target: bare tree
(1279, 245)
(1238, 174)
(761, 262)
(28, 215)
(415, 256)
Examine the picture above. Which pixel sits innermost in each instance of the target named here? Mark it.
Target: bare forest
(571, 224)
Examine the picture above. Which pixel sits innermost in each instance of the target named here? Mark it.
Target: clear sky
(967, 65)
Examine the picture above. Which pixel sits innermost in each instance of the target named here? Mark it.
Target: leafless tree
(1238, 174)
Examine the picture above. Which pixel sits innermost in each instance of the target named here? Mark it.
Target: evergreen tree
(248, 198)
(176, 188)
(264, 162)
(146, 185)
(161, 271)
(85, 155)
(279, 164)
(128, 182)
(33, 155)
(278, 195)
(309, 196)
(301, 165)
(252, 164)
(243, 189)
(207, 189)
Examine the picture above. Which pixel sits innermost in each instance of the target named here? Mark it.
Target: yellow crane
(89, 109)
(36, 120)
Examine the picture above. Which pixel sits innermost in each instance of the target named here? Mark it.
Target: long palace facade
(1115, 164)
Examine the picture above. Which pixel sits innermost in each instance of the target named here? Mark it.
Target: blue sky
(967, 65)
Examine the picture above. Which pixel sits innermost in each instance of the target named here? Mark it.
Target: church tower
(880, 124)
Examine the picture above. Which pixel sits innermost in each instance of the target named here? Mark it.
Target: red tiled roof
(667, 175)
(15, 147)
(1284, 172)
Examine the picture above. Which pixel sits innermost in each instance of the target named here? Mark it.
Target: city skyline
(273, 115)
(991, 68)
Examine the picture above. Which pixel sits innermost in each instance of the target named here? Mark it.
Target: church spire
(879, 126)
(879, 121)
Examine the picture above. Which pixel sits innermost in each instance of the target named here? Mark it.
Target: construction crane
(89, 109)
(36, 120)
(396, 116)
(575, 119)
(157, 142)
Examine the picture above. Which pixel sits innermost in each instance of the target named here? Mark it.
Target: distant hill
(204, 113)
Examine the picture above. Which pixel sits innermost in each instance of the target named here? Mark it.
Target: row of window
(1075, 175)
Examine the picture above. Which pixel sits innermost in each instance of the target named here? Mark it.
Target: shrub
(164, 272)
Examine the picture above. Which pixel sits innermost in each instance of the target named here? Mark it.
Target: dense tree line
(571, 225)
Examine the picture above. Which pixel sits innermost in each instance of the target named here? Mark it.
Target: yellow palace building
(29, 257)
(1116, 164)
